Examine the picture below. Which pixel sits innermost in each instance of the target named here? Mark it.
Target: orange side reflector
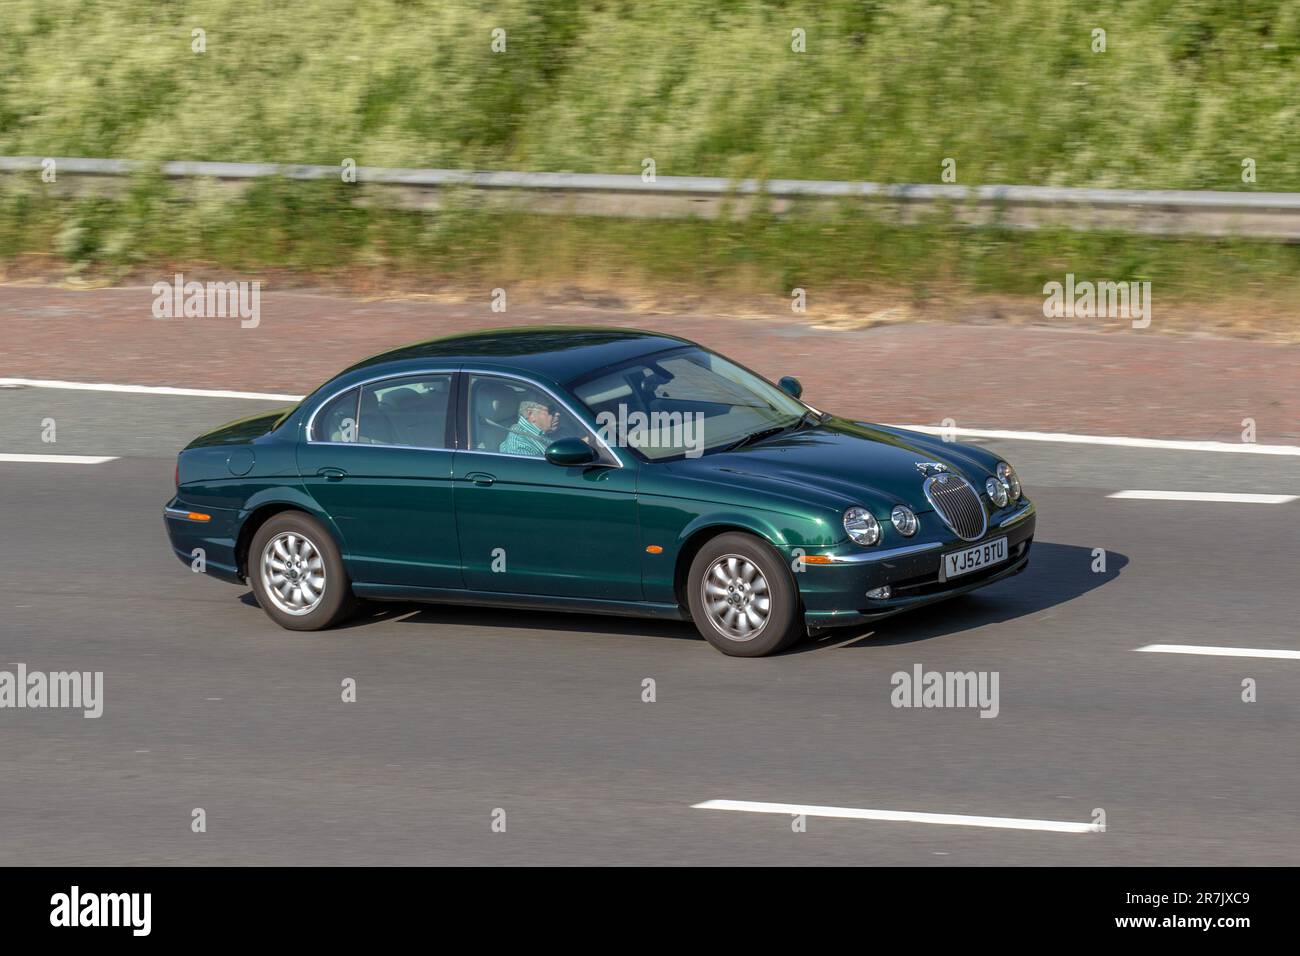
(654, 549)
(817, 559)
(198, 516)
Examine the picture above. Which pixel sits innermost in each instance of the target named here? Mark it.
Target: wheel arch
(703, 530)
(261, 509)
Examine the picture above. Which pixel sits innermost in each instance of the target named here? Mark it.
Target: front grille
(957, 503)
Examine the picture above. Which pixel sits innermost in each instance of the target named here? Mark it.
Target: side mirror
(790, 385)
(570, 452)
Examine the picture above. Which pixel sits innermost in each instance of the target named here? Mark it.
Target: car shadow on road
(472, 615)
(1057, 573)
(469, 615)
(478, 616)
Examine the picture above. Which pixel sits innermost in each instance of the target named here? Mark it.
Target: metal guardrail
(1156, 211)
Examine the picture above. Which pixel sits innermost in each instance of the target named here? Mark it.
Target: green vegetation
(885, 90)
(1009, 89)
(316, 228)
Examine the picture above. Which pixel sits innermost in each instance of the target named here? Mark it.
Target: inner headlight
(861, 526)
(1009, 478)
(904, 520)
(997, 491)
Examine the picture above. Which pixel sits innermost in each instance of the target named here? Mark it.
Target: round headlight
(997, 491)
(1009, 478)
(861, 526)
(904, 520)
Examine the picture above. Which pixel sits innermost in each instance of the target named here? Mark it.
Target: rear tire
(297, 573)
(742, 597)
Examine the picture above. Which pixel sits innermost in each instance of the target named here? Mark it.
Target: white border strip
(146, 389)
(1235, 448)
(1219, 651)
(1068, 438)
(60, 459)
(1233, 496)
(900, 816)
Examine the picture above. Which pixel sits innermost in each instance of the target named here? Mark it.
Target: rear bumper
(835, 594)
(212, 540)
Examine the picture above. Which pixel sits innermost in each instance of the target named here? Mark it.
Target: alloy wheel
(293, 573)
(735, 596)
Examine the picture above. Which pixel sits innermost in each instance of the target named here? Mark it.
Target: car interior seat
(417, 417)
(374, 427)
(496, 408)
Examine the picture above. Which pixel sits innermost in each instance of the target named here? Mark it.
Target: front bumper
(835, 593)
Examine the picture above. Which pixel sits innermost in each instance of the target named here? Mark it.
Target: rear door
(378, 459)
(527, 526)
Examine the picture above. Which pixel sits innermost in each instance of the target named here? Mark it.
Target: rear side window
(409, 411)
(337, 419)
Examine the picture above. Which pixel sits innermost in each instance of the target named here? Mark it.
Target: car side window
(509, 417)
(337, 419)
(409, 411)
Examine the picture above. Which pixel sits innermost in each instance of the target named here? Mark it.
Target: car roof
(558, 352)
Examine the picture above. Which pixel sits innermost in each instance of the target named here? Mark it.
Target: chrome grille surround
(955, 500)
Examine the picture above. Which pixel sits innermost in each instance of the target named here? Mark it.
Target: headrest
(495, 402)
(399, 399)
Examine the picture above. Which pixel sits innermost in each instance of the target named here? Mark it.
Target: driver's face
(547, 419)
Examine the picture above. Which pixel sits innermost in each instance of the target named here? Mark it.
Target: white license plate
(957, 563)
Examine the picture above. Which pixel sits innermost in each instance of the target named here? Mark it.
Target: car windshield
(683, 403)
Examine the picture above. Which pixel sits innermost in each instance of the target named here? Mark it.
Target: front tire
(297, 573)
(742, 597)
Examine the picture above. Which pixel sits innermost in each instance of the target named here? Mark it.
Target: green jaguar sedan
(601, 470)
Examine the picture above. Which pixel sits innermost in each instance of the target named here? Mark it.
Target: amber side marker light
(198, 516)
(654, 549)
(816, 559)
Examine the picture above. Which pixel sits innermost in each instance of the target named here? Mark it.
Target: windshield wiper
(760, 435)
(807, 419)
(812, 418)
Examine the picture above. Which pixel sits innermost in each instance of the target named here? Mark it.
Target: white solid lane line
(60, 459)
(1219, 651)
(146, 389)
(1170, 444)
(900, 816)
(1239, 498)
(1243, 448)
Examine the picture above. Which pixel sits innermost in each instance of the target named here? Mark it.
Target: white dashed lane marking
(60, 459)
(1207, 651)
(899, 816)
(1213, 496)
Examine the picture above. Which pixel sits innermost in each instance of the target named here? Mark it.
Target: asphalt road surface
(463, 712)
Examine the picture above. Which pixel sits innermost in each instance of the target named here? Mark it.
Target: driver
(528, 435)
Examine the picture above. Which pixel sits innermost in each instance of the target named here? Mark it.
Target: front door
(527, 526)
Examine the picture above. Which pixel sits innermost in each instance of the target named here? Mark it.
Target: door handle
(331, 474)
(480, 478)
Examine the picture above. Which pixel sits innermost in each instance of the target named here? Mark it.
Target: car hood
(841, 463)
